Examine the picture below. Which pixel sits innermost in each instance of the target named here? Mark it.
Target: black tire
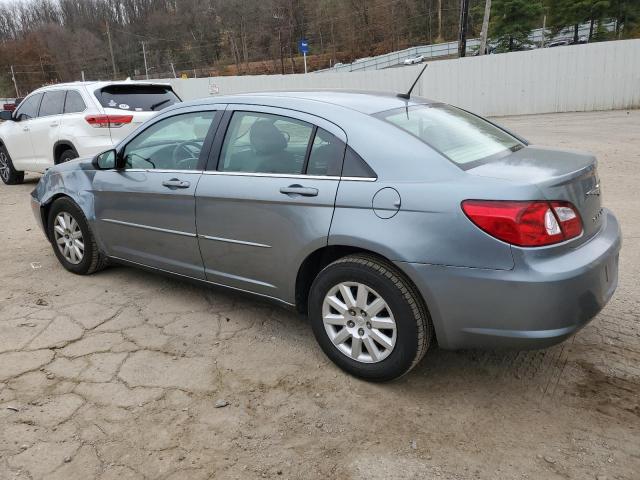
(67, 155)
(92, 260)
(413, 324)
(9, 175)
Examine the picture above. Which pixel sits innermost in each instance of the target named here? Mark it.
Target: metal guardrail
(446, 49)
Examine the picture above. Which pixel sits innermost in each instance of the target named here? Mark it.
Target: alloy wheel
(68, 238)
(4, 167)
(359, 322)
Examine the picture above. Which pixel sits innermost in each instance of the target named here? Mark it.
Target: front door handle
(176, 183)
(299, 190)
(54, 124)
(25, 129)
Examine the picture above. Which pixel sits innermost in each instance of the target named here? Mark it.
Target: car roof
(99, 84)
(313, 101)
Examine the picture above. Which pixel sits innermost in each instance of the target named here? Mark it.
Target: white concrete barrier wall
(597, 76)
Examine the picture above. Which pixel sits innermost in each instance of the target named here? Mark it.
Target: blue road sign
(303, 46)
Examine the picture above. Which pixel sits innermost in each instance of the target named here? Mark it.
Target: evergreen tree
(513, 20)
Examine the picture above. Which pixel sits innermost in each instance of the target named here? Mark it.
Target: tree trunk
(576, 28)
(485, 27)
(439, 38)
(591, 29)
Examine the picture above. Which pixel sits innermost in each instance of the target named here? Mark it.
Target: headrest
(266, 139)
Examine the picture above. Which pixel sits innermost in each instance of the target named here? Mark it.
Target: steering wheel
(184, 147)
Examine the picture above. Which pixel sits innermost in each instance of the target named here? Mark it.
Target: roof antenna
(407, 95)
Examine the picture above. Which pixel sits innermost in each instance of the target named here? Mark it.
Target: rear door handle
(299, 190)
(176, 183)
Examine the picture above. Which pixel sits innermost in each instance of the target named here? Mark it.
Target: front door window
(171, 144)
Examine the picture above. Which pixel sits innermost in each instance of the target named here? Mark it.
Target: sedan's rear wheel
(72, 240)
(9, 175)
(368, 318)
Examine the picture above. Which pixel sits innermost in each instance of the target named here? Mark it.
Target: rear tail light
(525, 224)
(106, 121)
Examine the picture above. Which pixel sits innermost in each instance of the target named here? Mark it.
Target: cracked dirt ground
(116, 375)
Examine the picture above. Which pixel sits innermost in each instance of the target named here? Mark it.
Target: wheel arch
(60, 147)
(45, 208)
(320, 258)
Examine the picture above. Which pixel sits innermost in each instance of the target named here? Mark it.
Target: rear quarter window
(136, 98)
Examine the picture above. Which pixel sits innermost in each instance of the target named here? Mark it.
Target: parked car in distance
(57, 123)
(11, 106)
(390, 222)
(413, 60)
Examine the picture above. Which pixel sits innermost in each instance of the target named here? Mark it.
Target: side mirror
(6, 115)
(106, 160)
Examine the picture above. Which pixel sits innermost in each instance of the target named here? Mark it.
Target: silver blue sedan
(391, 222)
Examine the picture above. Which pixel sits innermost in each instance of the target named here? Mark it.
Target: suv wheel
(368, 318)
(72, 240)
(67, 155)
(9, 175)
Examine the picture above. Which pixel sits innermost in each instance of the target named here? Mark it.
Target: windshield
(460, 136)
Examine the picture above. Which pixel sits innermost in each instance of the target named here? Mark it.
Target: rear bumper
(541, 302)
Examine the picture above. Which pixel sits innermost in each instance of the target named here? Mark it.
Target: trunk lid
(559, 175)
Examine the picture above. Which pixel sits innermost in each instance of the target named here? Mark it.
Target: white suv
(59, 122)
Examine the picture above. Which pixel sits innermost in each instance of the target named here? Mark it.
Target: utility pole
(173, 70)
(82, 74)
(15, 84)
(113, 61)
(464, 20)
(144, 54)
(485, 27)
(544, 30)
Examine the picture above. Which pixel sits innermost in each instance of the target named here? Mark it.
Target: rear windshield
(460, 136)
(137, 98)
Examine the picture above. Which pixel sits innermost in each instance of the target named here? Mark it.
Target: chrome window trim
(287, 175)
(230, 240)
(360, 179)
(150, 170)
(149, 227)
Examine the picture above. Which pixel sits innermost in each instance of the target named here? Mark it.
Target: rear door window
(29, 107)
(265, 143)
(74, 102)
(136, 98)
(52, 103)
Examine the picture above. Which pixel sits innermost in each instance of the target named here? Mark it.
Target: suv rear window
(460, 136)
(137, 98)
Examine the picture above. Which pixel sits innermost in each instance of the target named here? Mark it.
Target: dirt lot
(116, 376)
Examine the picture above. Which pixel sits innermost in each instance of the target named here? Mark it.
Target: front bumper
(36, 208)
(541, 302)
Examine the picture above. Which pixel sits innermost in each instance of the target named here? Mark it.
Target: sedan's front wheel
(72, 240)
(368, 318)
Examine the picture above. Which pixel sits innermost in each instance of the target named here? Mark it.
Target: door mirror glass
(106, 160)
(6, 115)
